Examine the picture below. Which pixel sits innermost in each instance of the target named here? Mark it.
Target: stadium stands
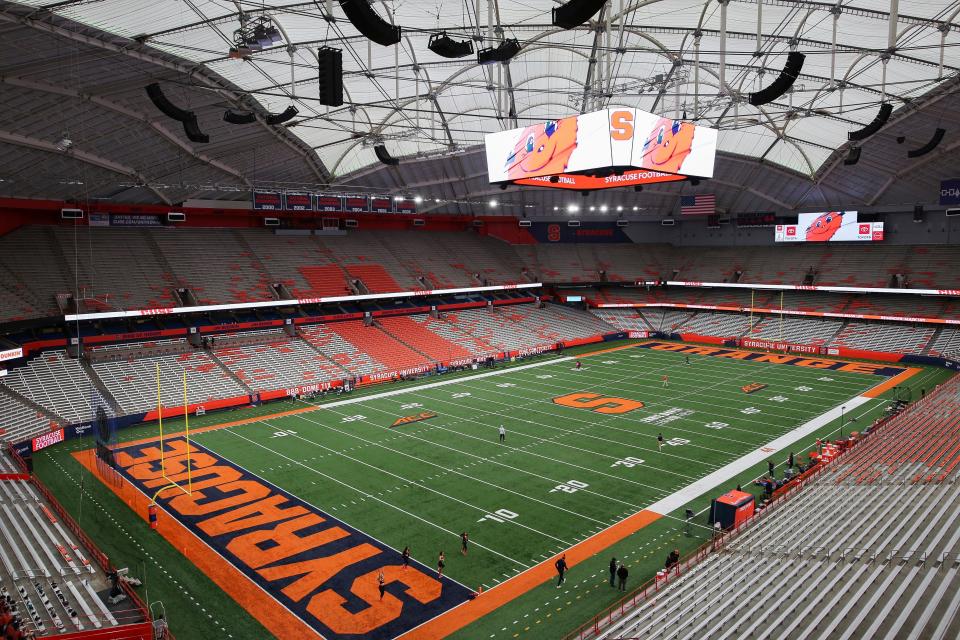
(724, 325)
(134, 382)
(339, 350)
(49, 581)
(946, 343)
(278, 362)
(56, 382)
(796, 330)
(420, 337)
(445, 329)
(622, 319)
(899, 338)
(881, 561)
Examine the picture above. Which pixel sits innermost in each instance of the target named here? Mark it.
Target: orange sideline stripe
(223, 425)
(271, 614)
(472, 610)
(892, 382)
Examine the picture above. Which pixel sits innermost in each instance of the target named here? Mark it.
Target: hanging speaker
(192, 128)
(783, 82)
(168, 108)
(280, 118)
(330, 66)
(918, 213)
(384, 156)
(501, 53)
(443, 45)
(882, 116)
(853, 157)
(575, 12)
(930, 146)
(188, 118)
(236, 117)
(362, 16)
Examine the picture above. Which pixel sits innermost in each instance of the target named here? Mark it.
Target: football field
(417, 467)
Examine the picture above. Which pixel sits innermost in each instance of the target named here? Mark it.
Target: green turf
(423, 483)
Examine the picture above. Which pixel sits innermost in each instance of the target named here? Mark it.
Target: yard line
(553, 460)
(452, 470)
(369, 495)
(418, 484)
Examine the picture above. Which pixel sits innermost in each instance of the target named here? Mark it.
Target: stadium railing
(101, 558)
(653, 586)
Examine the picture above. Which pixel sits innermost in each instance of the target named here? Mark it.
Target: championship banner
(381, 205)
(298, 201)
(328, 203)
(615, 137)
(267, 201)
(356, 204)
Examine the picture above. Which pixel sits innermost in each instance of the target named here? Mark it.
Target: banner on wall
(950, 192)
(267, 201)
(580, 182)
(614, 137)
(298, 201)
(381, 205)
(557, 232)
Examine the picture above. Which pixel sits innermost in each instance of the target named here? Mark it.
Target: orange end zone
(891, 383)
(459, 617)
(270, 613)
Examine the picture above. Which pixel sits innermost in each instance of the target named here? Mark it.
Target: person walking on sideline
(464, 539)
(503, 434)
(561, 566)
(790, 461)
(660, 442)
(381, 582)
(440, 565)
(772, 468)
(687, 359)
(613, 570)
(622, 574)
(406, 557)
(579, 365)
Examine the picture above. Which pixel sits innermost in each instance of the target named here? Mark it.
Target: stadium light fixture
(417, 199)
(619, 207)
(493, 203)
(603, 208)
(572, 208)
(592, 208)
(556, 208)
(398, 198)
(635, 208)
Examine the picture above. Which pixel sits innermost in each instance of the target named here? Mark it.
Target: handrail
(101, 558)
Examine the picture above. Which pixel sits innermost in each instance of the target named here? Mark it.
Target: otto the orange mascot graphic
(543, 149)
(825, 226)
(668, 145)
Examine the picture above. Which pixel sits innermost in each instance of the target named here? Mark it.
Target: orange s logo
(621, 125)
(598, 403)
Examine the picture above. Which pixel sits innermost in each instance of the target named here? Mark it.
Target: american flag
(698, 205)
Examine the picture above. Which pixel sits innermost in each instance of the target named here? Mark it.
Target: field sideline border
(460, 616)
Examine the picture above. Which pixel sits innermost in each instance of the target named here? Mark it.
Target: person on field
(561, 565)
(579, 366)
(660, 442)
(613, 570)
(687, 359)
(381, 583)
(622, 574)
(406, 557)
(666, 381)
(464, 540)
(503, 434)
(772, 468)
(440, 565)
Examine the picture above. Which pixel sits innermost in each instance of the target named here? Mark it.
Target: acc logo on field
(598, 403)
(423, 415)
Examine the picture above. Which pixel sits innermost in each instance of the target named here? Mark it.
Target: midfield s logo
(598, 403)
